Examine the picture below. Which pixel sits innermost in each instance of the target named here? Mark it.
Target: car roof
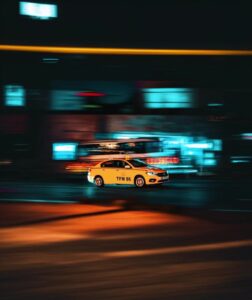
(115, 159)
(122, 159)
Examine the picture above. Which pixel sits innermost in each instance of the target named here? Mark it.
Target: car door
(109, 171)
(124, 173)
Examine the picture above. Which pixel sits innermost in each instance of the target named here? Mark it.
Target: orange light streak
(124, 51)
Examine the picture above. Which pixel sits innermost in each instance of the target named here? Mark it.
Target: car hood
(151, 169)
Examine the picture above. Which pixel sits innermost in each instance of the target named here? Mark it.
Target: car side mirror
(127, 167)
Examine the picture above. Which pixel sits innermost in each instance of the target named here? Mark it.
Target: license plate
(165, 177)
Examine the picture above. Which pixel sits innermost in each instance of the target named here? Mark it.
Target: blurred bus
(91, 153)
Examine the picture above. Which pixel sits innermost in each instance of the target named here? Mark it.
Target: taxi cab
(122, 171)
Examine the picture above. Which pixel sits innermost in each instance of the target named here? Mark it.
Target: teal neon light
(14, 95)
(157, 98)
(64, 151)
(40, 11)
(215, 104)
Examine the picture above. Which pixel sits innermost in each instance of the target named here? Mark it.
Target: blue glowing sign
(14, 95)
(156, 98)
(64, 151)
(38, 10)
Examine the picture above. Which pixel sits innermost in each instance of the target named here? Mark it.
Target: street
(76, 251)
(213, 194)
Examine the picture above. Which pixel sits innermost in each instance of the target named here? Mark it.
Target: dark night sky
(182, 24)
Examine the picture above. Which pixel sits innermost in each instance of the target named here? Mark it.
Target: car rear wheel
(139, 182)
(99, 181)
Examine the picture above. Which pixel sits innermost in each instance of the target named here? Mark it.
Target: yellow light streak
(124, 51)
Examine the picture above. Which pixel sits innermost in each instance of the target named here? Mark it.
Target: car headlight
(150, 173)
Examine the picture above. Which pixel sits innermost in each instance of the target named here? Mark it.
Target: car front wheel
(139, 182)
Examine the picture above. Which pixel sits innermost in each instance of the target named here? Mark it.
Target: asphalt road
(222, 195)
(74, 251)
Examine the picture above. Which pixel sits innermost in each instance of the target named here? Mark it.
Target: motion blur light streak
(180, 249)
(247, 136)
(124, 51)
(25, 236)
(238, 161)
(183, 154)
(162, 160)
(50, 60)
(90, 94)
(215, 104)
(37, 200)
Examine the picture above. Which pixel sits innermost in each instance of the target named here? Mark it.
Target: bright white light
(64, 147)
(199, 146)
(38, 10)
(124, 137)
(64, 151)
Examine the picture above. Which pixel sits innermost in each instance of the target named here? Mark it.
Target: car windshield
(137, 163)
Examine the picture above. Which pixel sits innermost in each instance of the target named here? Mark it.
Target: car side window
(119, 164)
(122, 164)
(108, 164)
(114, 164)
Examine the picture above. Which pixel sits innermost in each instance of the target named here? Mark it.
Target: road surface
(223, 195)
(75, 251)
